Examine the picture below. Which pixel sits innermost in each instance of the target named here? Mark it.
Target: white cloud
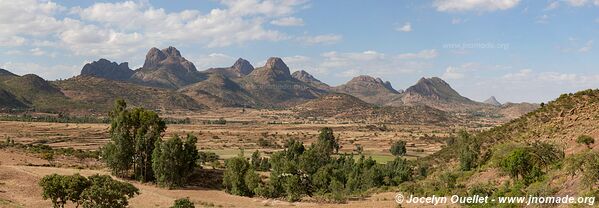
(452, 73)
(424, 54)
(588, 46)
(474, 5)
(116, 30)
(214, 60)
(407, 27)
(552, 6)
(579, 3)
(456, 21)
(47, 72)
(320, 39)
(288, 21)
(376, 63)
(521, 75)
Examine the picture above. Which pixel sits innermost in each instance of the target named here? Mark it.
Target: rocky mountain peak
(106, 69)
(276, 63)
(172, 51)
(435, 88)
(243, 66)
(274, 69)
(170, 57)
(492, 101)
(371, 81)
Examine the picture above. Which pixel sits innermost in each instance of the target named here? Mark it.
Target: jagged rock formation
(109, 70)
(167, 68)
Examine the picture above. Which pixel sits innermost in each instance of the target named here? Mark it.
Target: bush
(586, 140)
(398, 148)
(183, 203)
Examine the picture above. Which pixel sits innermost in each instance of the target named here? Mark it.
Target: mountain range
(168, 80)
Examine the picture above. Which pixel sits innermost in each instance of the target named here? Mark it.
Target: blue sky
(516, 50)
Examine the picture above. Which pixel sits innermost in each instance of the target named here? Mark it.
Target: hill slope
(349, 108)
(98, 94)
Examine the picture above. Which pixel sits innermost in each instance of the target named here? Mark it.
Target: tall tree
(173, 161)
(133, 134)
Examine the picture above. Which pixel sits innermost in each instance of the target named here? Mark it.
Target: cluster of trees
(529, 163)
(299, 171)
(97, 191)
(136, 148)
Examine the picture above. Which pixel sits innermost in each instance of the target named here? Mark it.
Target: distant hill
(436, 93)
(349, 108)
(32, 92)
(370, 89)
(98, 94)
(108, 70)
(492, 101)
(167, 68)
(307, 78)
(219, 90)
(4, 72)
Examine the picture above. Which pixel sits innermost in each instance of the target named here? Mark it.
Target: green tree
(105, 192)
(53, 189)
(234, 176)
(61, 189)
(174, 160)
(133, 135)
(469, 151)
(183, 203)
(398, 148)
(517, 163)
(327, 140)
(586, 140)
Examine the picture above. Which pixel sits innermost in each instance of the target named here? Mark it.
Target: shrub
(183, 203)
(398, 148)
(586, 140)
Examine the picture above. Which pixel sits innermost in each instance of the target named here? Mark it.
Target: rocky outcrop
(108, 70)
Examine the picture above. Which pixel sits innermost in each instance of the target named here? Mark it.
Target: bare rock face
(242, 67)
(170, 57)
(108, 70)
(167, 68)
(274, 70)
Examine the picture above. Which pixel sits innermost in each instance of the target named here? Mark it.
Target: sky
(515, 50)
